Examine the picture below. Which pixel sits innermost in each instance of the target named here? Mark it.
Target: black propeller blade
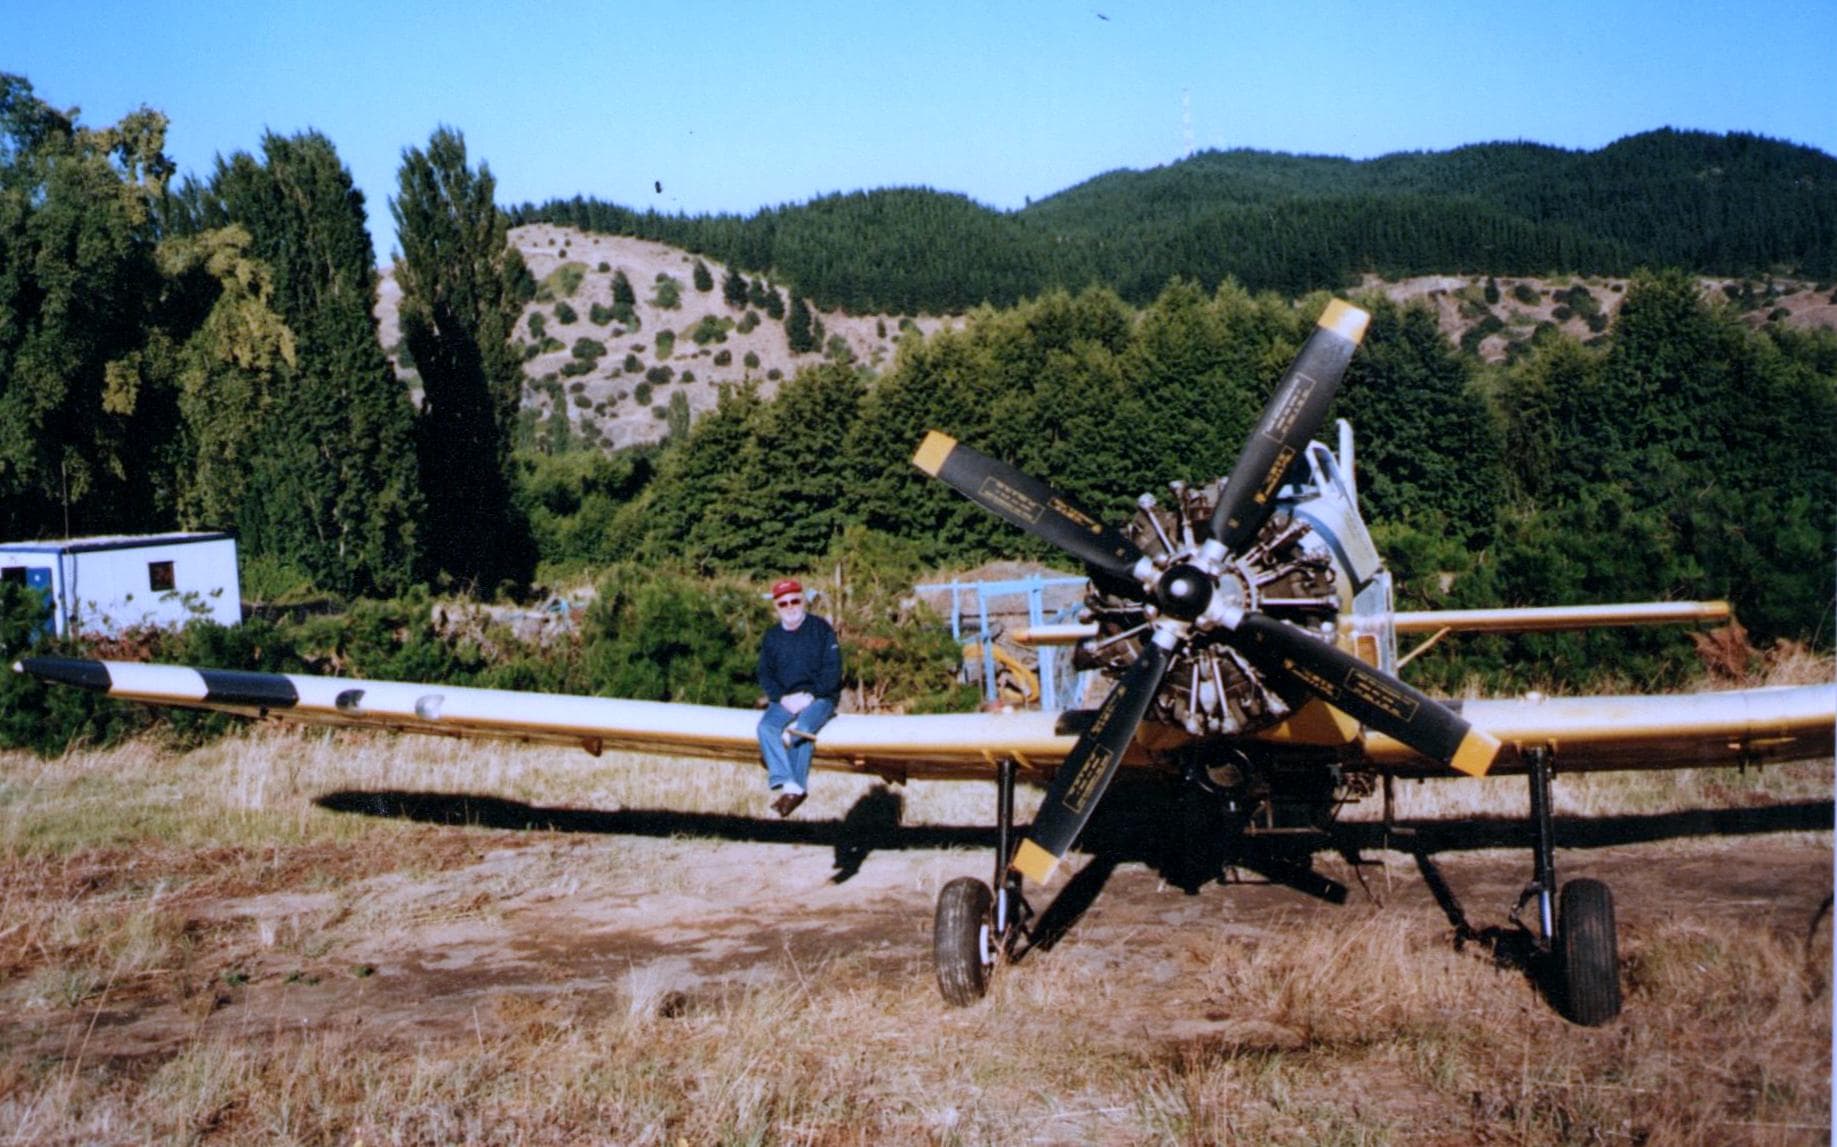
(1028, 503)
(1293, 416)
(1088, 769)
(1377, 699)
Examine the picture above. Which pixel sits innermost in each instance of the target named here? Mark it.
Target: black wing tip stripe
(77, 671)
(222, 686)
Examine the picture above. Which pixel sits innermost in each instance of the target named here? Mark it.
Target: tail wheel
(963, 940)
(1587, 953)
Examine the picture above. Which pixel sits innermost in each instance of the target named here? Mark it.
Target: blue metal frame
(1058, 685)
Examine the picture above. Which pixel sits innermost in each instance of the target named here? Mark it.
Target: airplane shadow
(1175, 832)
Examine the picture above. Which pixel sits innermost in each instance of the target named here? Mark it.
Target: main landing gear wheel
(1587, 953)
(963, 940)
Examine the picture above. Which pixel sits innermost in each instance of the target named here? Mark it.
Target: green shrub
(273, 580)
(658, 635)
(751, 360)
(564, 314)
(748, 322)
(588, 349)
(667, 294)
(723, 357)
(666, 343)
(576, 367)
(1476, 334)
(563, 281)
(538, 325)
(1526, 294)
(642, 394)
(704, 280)
(659, 375)
(712, 329)
(632, 364)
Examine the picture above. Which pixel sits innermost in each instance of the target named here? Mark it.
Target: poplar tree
(461, 294)
(335, 490)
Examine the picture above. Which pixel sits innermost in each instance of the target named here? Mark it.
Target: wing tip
(932, 451)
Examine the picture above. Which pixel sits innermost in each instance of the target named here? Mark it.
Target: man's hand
(795, 703)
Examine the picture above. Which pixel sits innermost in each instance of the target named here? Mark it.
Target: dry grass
(1357, 1026)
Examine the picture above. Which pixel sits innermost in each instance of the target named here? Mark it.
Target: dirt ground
(664, 911)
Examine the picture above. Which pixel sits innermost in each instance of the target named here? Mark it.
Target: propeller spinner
(1198, 594)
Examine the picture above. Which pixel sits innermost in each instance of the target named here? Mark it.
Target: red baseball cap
(786, 587)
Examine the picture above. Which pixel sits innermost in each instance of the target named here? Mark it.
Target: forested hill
(1711, 204)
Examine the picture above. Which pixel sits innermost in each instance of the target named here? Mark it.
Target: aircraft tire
(962, 944)
(1587, 953)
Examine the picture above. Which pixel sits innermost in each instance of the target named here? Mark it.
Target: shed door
(38, 578)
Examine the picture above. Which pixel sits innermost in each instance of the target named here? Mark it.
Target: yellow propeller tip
(1475, 754)
(1034, 862)
(1345, 320)
(932, 451)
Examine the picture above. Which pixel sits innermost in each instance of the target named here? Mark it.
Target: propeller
(1289, 422)
(1192, 597)
(1089, 768)
(1029, 503)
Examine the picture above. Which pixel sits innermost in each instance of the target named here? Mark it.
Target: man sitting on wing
(800, 670)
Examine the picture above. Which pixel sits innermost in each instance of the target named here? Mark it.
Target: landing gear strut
(1576, 930)
(974, 924)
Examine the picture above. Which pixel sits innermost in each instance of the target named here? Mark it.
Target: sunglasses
(788, 602)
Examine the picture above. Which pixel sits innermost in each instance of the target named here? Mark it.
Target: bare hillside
(620, 397)
(616, 379)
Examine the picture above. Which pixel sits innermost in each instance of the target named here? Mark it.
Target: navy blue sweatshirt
(804, 660)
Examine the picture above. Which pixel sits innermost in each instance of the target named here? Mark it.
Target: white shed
(106, 585)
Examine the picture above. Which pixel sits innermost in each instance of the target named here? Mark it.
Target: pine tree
(798, 331)
(460, 303)
(733, 288)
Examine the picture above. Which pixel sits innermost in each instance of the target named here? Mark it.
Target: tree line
(1683, 455)
(207, 354)
(1734, 204)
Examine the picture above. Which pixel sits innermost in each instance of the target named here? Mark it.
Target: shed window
(159, 576)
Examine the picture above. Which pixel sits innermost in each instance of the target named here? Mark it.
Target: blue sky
(734, 107)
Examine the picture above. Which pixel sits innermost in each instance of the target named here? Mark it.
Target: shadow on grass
(1179, 834)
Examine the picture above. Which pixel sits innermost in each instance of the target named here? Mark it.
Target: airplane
(1249, 629)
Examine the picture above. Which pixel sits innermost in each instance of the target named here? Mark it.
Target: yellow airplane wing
(1583, 733)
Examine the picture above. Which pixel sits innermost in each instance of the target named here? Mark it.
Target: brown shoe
(786, 804)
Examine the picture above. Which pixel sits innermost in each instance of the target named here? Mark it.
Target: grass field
(213, 947)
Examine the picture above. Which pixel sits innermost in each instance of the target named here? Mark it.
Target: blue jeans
(791, 766)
